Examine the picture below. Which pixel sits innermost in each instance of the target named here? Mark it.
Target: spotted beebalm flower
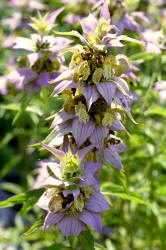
(96, 94)
(161, 88)
(26, 78)
(80, 9)
(100, 35)
(70, 161)
(90, 133)
(44, 24)
(14, 22)
(30, 5)
(82, 123)
(3, 85)
(42, 56)
(72, 202)
(154, 41)
(115, 88)
(127, 22)
(93, 69)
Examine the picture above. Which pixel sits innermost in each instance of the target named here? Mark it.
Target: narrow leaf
(86, 240)
(35, 226)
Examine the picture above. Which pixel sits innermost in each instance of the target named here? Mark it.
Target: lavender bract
(72, 195)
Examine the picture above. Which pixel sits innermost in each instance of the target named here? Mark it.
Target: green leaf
(72, 33)
(122, 177)
(99, 247)
(20, 198)
(7, 138)
(28, 205)
(118, 191)
(142, 56)
(16, 107)
(129, 39)
(12, 106)
(35, 226)
(155, 110)
(24, 105)
(12, 162)
(11, 187)
(86, 240)
(57, 246)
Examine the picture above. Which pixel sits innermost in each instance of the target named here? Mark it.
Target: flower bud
(79, 203)
(84, 70)
(71, 165)
(81, 112)
(97, 75)
(89, 190)
(55, 203)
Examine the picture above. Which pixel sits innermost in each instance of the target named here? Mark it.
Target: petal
(23, 43)
(43, 201)
(116, 126)
(121, 147)
(33, 57)
(60, 43)
(67, 74)
(63, 128)
(112, 158)
(43, 79)
(88, 24)
(153, 48)
(52, 181)
(125, 102)
(55, 168)
(82, 152)
(60, 117)
(92, 219)
(107, 90)
(91, 167)
(51, 219)
(52, 16)
(127, 22)
(3, 85)
(42, 174)
(88, 180)
(97, 203)
(74, 192)
(71, 225)
(98, 135)
(58, 153)
(91, 95)
(121, 84)
(55, 138)
(21, 76)
(105, 11)
(66, 84)
(114, 43)
(81, 131)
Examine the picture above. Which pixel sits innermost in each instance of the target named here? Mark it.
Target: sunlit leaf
(20, 198)
(35, 226)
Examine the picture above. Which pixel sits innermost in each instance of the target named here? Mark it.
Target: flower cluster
(96, 94)
(42, 54)
(96, 100)
(72, 195)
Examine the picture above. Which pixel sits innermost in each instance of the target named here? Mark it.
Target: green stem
(45, 99)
